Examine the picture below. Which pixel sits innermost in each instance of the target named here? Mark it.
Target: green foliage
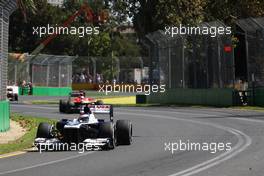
(149, 16)
(100, 45)
(22, 40)
(26, 6)
(108, 44)
(230, 10)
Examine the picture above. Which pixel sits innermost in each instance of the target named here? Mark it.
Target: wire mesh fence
(42, 70)
(17, 71)
(6, 8)
(109, 69)
(251, 35)
(191, 61)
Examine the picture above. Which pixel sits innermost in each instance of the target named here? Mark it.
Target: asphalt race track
(153, 128)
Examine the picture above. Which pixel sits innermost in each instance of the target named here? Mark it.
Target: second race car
(75, 101)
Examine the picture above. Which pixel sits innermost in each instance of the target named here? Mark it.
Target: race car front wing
(54, 144)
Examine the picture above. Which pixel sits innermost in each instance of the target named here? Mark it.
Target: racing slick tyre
(15, 98)
(123, 132)
(99, 102)
(63, 104)
(44, 130)
(68, 107)
(60, 125)
(106, 130)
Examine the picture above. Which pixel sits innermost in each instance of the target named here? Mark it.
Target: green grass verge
(97, 94)
(30, 124)
(40, 102)
(117, 100)
(252, 108)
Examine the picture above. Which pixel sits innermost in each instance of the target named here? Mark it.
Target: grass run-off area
(115, 100)
(30, 124)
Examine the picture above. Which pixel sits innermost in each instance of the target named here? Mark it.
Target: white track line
(243, 142)
(45, 164)
(173, 112)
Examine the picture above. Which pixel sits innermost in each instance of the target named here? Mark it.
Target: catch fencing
(6, 8)
(108, 69)
(191, 61)
(42, 70)
(250, 32)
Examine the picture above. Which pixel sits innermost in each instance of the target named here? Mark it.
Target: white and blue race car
(88, 130)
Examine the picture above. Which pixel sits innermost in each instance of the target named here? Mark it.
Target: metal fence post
(59, 75)
(142, 67)
(1, 52)
(219, 63)
(183, 62)
(48, 75)
(69, 76)
(118, 68)
(170, 76)
(94, 68)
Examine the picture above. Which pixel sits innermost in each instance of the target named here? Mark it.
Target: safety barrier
(259, 97)
(4, 116)
(51, 91)
(84, 86)
(46, 91)
(207, 97)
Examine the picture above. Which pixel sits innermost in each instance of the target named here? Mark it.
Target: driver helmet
(87, 110)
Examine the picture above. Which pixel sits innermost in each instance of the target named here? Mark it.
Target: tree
(21, 31)
(103, 45)
(229, 11)
(149, 16)
(26, 6)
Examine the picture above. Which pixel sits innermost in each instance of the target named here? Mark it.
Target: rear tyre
(44, 130)
(62, 106)
(106, 130)
(124, 132)
(68, 108)
(15, 97)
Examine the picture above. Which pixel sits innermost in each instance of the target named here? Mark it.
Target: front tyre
(124, 132)
(44, 130)
(106, 130)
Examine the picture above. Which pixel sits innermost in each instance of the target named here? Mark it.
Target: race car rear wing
(102, 109)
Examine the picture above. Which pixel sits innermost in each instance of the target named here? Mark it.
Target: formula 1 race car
(86, 130)
(75, 102)
(12, 93)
